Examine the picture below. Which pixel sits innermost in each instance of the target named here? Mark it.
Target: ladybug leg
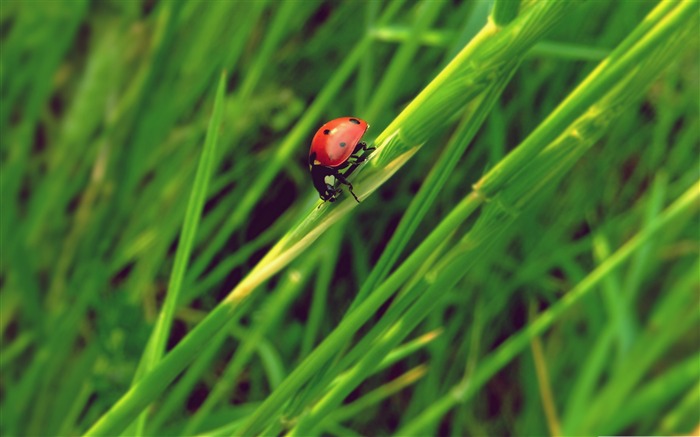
(333, 193)
(330, 194)
(352, 164)
(358, 158)
(346, 164)
(362, 146)
(343, 180)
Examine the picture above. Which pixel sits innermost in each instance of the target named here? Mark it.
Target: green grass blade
(193, 213)
(625, 58)
(156, 345)
(688, 203)
(504, 11)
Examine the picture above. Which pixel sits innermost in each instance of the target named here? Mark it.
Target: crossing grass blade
(155, 348)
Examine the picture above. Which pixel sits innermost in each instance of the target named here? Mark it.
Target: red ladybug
(336, 146)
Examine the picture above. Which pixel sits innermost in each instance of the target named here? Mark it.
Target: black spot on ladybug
(342, 144)
(355, 121)
(326, 131)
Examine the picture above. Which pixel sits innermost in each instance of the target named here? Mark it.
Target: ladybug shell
(335, 141)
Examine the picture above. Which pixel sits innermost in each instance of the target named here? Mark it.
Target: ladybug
(335, 147)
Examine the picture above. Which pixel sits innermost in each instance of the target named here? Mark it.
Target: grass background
(154, 152)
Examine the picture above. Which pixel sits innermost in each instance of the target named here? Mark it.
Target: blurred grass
(420, 310)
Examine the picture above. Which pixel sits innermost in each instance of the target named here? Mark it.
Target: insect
(335, 147)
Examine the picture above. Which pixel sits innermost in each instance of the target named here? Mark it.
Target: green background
(153, 152)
